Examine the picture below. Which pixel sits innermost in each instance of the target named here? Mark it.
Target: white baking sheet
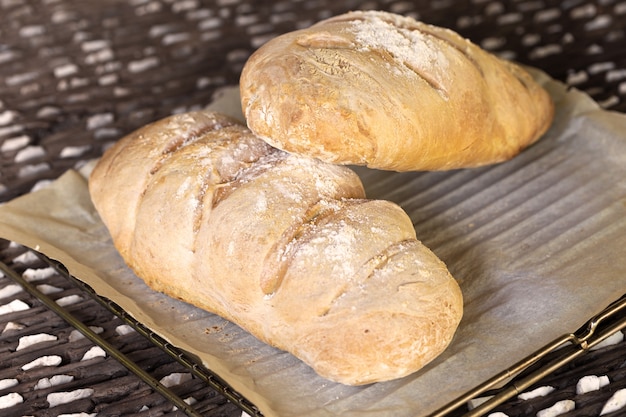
(537, 245)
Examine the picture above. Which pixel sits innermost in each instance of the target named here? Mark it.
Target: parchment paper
(537, 245)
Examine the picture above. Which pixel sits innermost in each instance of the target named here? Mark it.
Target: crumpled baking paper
(537, 244)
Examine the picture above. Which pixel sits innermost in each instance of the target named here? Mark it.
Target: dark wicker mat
(77, 75)
(99, 381)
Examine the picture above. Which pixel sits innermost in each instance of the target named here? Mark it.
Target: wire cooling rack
(74, 302)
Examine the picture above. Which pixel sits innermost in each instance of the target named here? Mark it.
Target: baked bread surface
(286, 247)
(389, 92)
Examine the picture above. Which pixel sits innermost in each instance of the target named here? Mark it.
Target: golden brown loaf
(286, 247)
(386, 91)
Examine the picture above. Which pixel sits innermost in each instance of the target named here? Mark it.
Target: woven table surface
(75, 76)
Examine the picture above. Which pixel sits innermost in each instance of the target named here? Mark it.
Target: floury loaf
(287, 247)
(382, 90)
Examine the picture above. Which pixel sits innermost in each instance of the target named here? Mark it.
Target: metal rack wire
(209, 378)
(555, 355)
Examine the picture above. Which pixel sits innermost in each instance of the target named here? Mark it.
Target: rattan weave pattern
(607, 362)
(61, 360)
(77, 75)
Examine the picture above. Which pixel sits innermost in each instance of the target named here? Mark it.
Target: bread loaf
(386, 91)
(286, 247)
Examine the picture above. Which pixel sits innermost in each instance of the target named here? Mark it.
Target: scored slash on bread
(287, 247)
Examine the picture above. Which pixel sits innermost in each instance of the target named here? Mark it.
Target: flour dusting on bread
(414, 50)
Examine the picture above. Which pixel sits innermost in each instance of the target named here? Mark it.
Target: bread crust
(378, 89)
(287, 247)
